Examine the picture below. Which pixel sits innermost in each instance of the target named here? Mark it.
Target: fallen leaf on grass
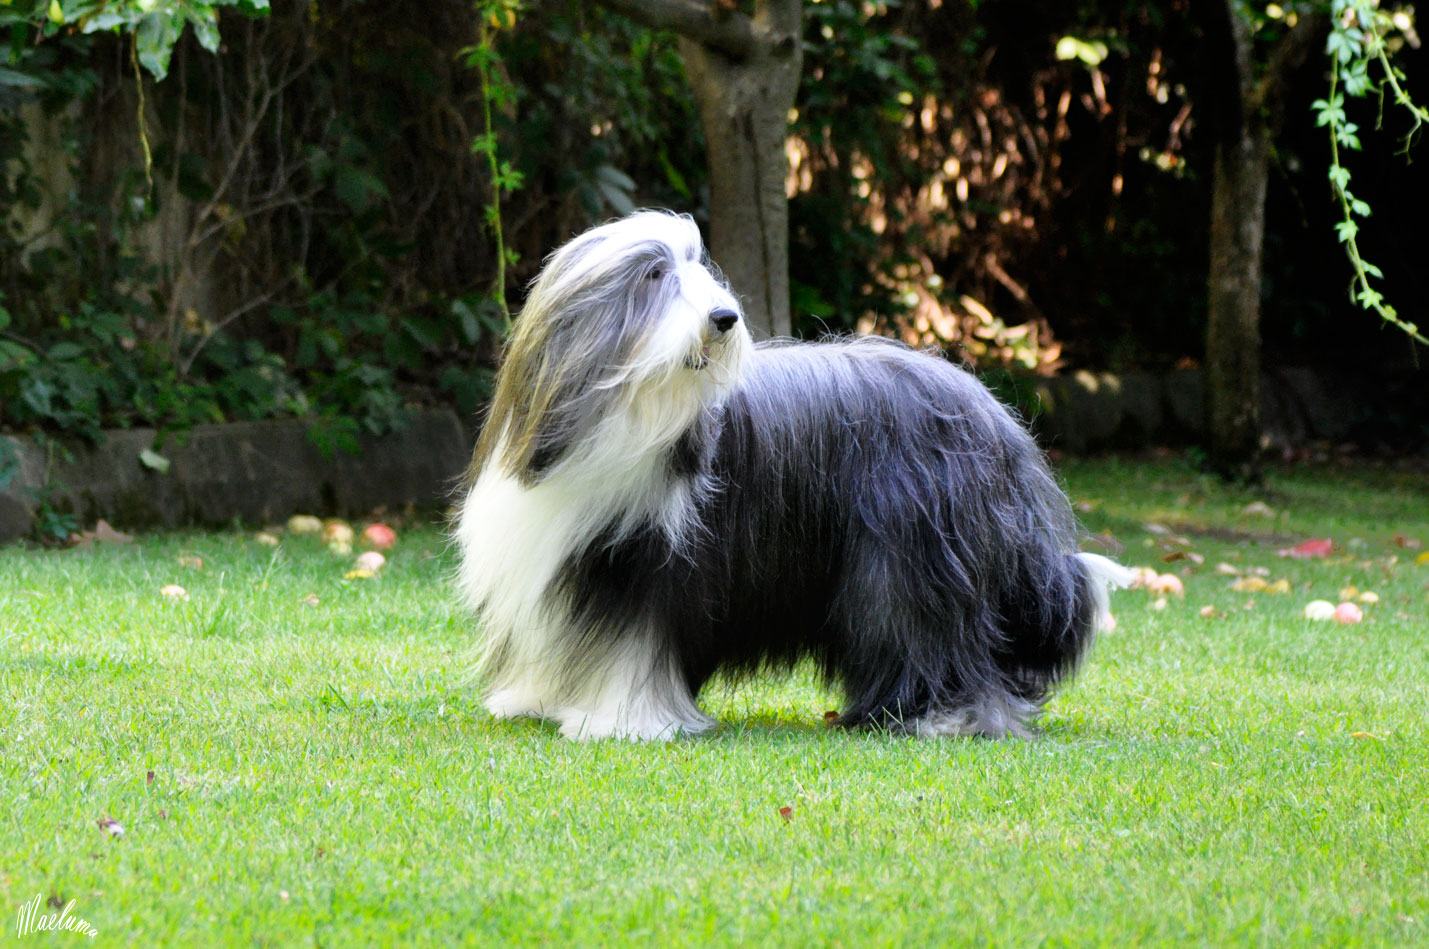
(358, 574)
(1319, 610)
(111, 826)
(1422, 558)
(190, 561)
(310, 600)
(173, 591)
(108, 535)
(266, 539)
(1364, 735)
(1249, 585)
(830, 717)
(787, 813)
(1408, 543)
(1227, 570)
(1309, 550)
(1209, 612)
(102, 534)
(1257, 509)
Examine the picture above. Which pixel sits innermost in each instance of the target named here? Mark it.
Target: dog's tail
(1100, 577)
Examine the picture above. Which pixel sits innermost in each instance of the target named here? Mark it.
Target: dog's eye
(655, 273)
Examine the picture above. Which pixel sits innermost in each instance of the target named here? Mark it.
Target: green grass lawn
(295, 773)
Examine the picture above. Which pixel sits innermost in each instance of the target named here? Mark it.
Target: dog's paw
(513, 703)
(583, 725)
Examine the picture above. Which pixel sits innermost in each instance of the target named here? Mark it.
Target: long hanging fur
(655, 499)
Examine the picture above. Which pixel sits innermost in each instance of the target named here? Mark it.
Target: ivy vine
(1360, 38)
(497, 92)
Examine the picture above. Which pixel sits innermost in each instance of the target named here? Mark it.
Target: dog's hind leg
(994, 714)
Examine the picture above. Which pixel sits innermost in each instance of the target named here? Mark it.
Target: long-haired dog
(654, 499)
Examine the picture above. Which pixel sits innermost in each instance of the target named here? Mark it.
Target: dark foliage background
(314, 240)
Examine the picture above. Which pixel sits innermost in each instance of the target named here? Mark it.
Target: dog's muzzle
(722, 320)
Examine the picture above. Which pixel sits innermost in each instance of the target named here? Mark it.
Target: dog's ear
(553, 386)
(528, 419)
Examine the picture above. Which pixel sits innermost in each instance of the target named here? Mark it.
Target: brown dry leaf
(787, 813)
(103, 533)
(111, 826)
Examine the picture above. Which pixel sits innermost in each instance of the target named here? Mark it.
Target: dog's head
(628, 328)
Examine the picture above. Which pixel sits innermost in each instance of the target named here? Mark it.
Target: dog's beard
(719, 351)
(698, 360)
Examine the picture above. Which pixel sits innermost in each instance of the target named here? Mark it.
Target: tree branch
(730, 33)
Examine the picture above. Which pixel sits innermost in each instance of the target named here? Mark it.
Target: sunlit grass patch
(295, 758)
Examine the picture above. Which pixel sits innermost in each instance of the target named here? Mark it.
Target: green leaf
(206, 29)
(1340, 175)
(468, 325)
(1070, 47)
(1346, 230)
(1361, 208)
(61, 352)
(356, 188)
(155, 41)
(484, 144)
(14, 79)
(154, 461)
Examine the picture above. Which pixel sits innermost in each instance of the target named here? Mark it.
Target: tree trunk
(744, 107)
(744, 72)
(1252, 110)
(1242, 168)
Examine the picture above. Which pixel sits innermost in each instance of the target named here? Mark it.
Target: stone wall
(254, 472)
(1086, 411)
(261, 472)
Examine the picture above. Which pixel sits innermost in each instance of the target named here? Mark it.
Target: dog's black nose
(724, 319)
